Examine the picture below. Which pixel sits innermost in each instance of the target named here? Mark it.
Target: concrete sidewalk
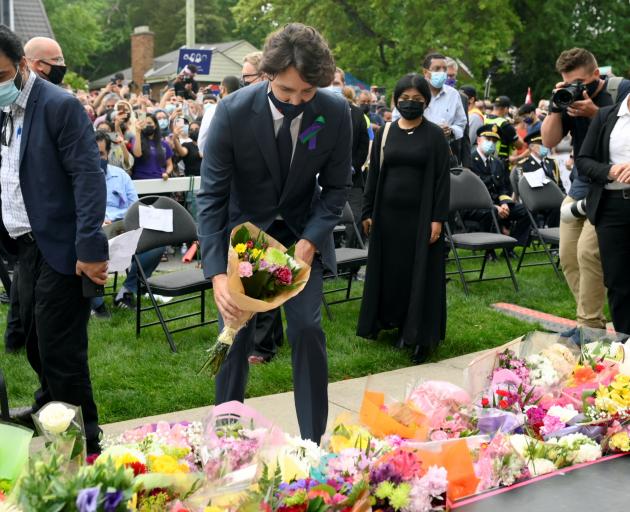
(344, 396)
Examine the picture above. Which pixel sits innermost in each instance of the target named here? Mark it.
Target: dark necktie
(284, 143)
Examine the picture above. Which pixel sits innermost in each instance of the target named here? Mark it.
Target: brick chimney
(142, 42)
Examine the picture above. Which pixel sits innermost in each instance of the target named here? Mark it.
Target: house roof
(227, 60)
(30, 20)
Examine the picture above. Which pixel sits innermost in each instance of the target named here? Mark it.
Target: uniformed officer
(512, 216)
(539, 159)
(509, 138)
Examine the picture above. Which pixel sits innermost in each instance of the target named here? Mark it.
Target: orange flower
(583, 375)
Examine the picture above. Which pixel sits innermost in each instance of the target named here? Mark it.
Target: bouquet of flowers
(262, 275)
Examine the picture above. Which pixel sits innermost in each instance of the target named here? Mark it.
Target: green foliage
(75, 81)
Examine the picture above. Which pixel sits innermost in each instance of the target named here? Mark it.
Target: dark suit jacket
(61, 180)
(592, 163)
(360, 145)
(495, 178)
(241, 178)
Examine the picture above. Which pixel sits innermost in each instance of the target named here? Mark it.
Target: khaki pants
(582, 267)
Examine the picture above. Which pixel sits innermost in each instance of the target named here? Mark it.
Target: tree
(380, 40)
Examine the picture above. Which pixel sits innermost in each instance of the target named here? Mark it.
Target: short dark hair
(302, 47)
(11, 45)
(413, 81)
(192, 68)
(426, 63)
(527, 108)
(469, 91)
(231, 84)
(570, 60)
(102, 136)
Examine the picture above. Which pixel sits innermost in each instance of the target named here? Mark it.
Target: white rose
(539, 467)
(56, 417)
(588, 452)
(564, 414)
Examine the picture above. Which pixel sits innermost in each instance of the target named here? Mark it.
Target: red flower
(503, 393)
(90, 459)
(485, 402)
(503, 404)
(250, 244)
(284, 276)
(138, 468)
(599, 367)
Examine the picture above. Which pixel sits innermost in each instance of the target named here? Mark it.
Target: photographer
(579, 250)
(185, 84)
(605, 161)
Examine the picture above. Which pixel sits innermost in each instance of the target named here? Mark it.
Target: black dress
(405, 282)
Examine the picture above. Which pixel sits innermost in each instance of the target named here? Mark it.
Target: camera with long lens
(566, 95)
(573, 211)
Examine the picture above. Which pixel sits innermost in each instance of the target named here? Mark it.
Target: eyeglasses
(7, 129)
(59, 61)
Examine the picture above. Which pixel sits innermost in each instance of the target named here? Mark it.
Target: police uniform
(496, 178)
(505, 144)
(550, 218)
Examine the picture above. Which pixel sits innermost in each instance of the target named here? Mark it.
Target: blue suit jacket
(62, 183)
(241, 178)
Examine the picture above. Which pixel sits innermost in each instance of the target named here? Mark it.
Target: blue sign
(200, 58)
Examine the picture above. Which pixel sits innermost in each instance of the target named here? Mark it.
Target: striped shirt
(14, 213)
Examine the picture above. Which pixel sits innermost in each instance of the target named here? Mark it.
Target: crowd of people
(388, 157)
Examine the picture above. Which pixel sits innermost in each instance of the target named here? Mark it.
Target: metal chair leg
(512, 275)
(483, 265)
(460, 270)
(327, 308)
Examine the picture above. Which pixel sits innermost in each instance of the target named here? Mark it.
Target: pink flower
(438, 435)
(245, 269)
(284, 276)
(503, 376)
(551, 424)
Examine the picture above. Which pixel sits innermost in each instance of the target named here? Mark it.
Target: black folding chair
(4, 400)
(535, 200)
(348, 260)
(189, 284)
(468, 192)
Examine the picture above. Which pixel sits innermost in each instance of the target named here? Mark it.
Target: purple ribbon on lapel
(310, 134)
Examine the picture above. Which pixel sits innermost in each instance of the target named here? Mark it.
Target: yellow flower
(240, 248)
(167, 465)
(132, 504)
(620, 442)
(256, 253)
(212, 509)
(352, 437)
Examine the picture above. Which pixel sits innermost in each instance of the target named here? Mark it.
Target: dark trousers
(613, 233)
(55, 315)
(518, 221)
(269, 334)
(308, 357)
(14, 337)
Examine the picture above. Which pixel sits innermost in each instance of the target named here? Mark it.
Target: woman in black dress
(405, 204)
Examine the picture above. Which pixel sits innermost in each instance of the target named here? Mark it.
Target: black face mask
(410, 109)
(591, 88)
(288, 109)
(194, 135)
(148, 130)
(56, 74)
(365, 108)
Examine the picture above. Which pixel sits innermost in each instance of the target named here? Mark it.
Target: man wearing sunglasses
(44, 57)
(53, 196)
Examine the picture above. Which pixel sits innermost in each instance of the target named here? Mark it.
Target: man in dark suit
(360, 147)
(497, 180)
(53, 206)
(257, 168)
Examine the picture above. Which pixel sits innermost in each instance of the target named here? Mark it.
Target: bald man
(45, 58)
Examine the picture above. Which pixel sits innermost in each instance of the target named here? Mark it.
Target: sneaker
(101, 312)
(126, 301)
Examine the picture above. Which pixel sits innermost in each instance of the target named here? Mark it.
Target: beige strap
(385, 132)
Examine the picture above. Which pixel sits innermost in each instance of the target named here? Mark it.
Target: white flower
(588, 453)
(542, 372)
(520, 443)
(120, 453)
(539, 467)
(564, 414)
(56, 417)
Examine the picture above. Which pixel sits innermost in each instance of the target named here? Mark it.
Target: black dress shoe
(22, 416)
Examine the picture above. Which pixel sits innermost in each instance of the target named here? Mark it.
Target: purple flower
(87, 500)
(112, 500)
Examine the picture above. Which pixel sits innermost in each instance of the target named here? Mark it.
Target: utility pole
(190, 23)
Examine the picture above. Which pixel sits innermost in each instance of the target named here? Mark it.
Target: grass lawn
(141, 377)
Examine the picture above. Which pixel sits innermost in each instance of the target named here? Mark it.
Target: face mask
(335, 89)
(488, 147)
(451, 82)
(10, 90)
(287, 109)
(544, 151)
(438, 78)
(194, 134)
(207, 107)
(56, 74)
(149, 130)
(163, 124)
(185, 130)
(170, 108)
(591, 88)
(104, 165)
(410, 109)
(528, 120)
(365, 108)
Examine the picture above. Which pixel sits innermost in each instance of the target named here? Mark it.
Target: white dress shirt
(14, 213)
(620, 143)
(205, 126)
(278, 119)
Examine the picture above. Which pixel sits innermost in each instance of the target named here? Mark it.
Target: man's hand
(305, 250)
(436, 231)
(503, 210)
(367, 226)
(620, 173)
(222, 298)
(583, 108)
(446, 129)
(97, 272)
